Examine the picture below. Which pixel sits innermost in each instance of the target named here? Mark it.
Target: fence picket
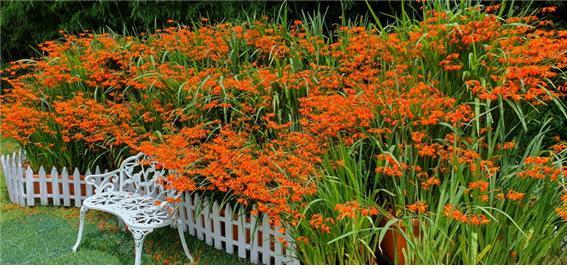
(255, 233)
(266, 240)
(216, 226)
(198, 217)
(8, 177)
(19, 176)
(206, 212)
(77, 187)
(42, 186)
(11, 173)
(88, 187)
(29, 187)
(240, 222)
(181, 214)
(228, 227)
(65, 185)
(55, 187)
(190, 218)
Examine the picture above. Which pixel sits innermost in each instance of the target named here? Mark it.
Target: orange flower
(549, 9)
(347, 210)
(515, 196)
(417, 137)
(430, 182)
(418, 207)
(480, 185)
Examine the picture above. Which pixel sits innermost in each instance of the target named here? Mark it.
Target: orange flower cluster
(538, 167)
(418, 207)
(473, 219)
(353, 209)
(317, 221)
(250, 110)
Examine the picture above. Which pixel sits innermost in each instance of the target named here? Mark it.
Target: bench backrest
(140, 174)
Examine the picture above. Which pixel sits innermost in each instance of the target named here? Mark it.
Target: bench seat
(135, 210)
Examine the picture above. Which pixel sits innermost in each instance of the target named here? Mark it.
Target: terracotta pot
(394, 242)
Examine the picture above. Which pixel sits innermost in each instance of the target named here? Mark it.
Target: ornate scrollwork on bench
(141, 200)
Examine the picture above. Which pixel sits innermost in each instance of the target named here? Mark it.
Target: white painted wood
(88, 187)
(255, 239)
(29, 187)
(65, 183)
(77, 187)
(181, 214)
(266, 240)
(42, 186)
(228, 227)
(199, 228)
(216, 225)
(241, 243)
(207, 216)
(55, 187)
(8, 177)
(190, 214)
(19, 176)
(11, 173)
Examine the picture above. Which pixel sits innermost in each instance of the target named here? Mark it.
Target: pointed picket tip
(29, 172)
(42, 171)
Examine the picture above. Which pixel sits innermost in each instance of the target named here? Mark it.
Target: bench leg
(81, 226)
(183, 242)
(139, 236)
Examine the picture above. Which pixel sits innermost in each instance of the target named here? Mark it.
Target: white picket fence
(224, 228)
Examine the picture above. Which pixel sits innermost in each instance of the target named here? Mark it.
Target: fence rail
(225, 228)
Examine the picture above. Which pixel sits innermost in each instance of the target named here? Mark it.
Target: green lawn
(45, 235)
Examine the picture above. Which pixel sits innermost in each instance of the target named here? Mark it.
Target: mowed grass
(45, 235)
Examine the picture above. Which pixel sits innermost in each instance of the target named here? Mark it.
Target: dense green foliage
(24, 24)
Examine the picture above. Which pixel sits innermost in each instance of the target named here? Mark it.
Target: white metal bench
(140, 201)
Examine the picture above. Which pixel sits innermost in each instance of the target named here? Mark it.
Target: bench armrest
(107, 183)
